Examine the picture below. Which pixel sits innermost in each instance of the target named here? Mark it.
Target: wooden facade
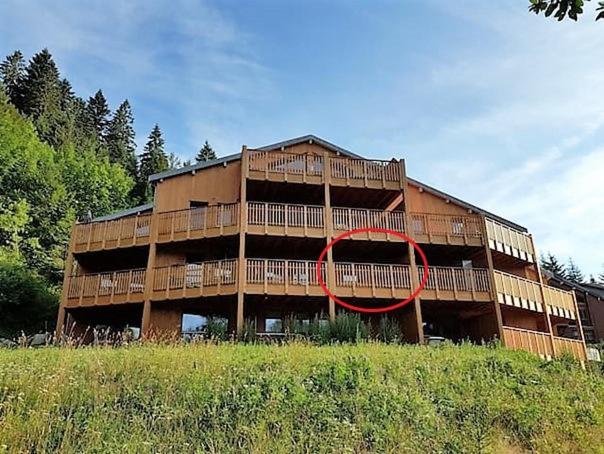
(240, 238)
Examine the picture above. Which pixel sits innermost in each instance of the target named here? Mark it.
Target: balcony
(456, 284)
(362, 173)
(283, 277)
(285, 167)
(307, 168)
(124, 232)
(286, 219)
(195, 223)
(518, 292)
(372, 280)
(559, 303)
(510, 241)
(106, 288)
(345, 219)
(533, 341)
(574, 347)
(463, 230)
(194, 280)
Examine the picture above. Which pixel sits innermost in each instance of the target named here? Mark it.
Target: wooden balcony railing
(286, 218)
(510, 241)
(463, 283)
(106, 288)
(298, 166)
(359, 218)
(198, 222)
(559, 302)
(372, 275)
(448, 229)
(123, 232)
(288, 277)
(532, 341)
(573, 346)
(195, 279)
(519, 292)
(364, 170)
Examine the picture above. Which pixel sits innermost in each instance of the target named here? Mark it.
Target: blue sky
(484, 100)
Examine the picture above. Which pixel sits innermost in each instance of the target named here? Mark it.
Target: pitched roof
(330, 146)
(124, 213)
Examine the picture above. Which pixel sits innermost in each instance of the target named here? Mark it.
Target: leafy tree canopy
(562, 9)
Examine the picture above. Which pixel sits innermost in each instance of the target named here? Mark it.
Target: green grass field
(296, 398)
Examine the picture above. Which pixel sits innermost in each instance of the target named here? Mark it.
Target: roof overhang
(310, 138)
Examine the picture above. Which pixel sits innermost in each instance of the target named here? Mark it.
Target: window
(193, 325)
(273, 325)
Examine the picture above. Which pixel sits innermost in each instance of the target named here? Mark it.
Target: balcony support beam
(417, 329)
(69, 260)
(243, 220)
(489, 257)
(331, 273)
(149, 278)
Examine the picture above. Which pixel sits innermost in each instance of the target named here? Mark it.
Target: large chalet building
(239, 237)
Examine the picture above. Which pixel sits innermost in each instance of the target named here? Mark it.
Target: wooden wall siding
(286, 219)
(456, 284)
(372, 280)
(202, 222)
(574, 347)
(214, 185)
(193, 280)
(345, 219)
(510, 241)
(421, 201)
(518, 292)
(365, 174)
(283, 277)
(106, 288)
(291, 167)
(559, 302)
(447, 229)
(532, 341)
(124, 232)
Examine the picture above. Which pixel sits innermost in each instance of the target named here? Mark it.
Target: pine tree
(120, 138)
(601, 277)
(97, 117)
(174, 161)
(40, 96)
(552, 264)
(573, 273)
(12, 73)
(153, 160)
(206, 153)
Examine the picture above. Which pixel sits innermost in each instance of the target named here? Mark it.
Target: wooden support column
(548, 322)
(149, 275)
(241, 275)
(331, 271)
(67, 272)
(489, 255)
(417, 329)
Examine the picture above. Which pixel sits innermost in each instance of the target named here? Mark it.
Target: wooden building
(590, 302)
(239, 237)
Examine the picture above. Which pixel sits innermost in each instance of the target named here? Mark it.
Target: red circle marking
(372, 309)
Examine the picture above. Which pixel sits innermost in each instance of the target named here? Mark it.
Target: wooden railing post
(149, 274)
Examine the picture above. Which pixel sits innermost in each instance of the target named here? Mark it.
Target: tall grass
(228, 397)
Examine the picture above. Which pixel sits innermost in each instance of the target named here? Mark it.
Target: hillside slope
(296, 398)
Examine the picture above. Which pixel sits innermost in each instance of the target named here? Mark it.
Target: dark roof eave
(467, 205)
(337, 149)
(124, 213)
